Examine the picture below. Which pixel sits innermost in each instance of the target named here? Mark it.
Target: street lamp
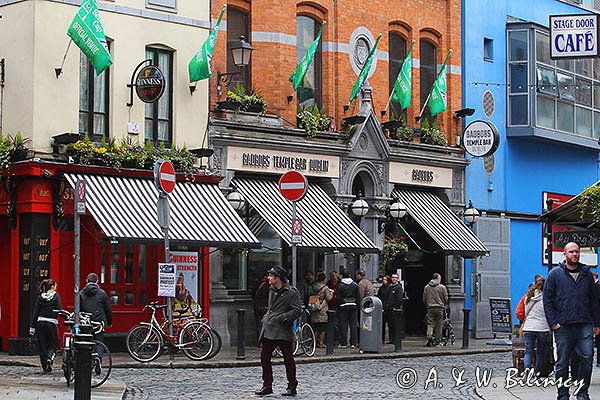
(471, 214)
(236, 200)
(241, 52)
(397, 210)
(359, 207)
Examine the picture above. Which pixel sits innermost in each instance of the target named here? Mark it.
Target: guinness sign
(150, 84)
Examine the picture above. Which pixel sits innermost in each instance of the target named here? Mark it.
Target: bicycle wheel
(196, 340)
(101, 366)
(144, 343)
(295, 345)
(217, 342)
(308, 340)
(67, 366)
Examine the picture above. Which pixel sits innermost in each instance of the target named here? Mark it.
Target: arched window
(309, 91)
(397, 54)
(238, 24)
(428, 70)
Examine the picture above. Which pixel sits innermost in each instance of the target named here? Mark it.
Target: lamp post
(471, 215)
(241, 52)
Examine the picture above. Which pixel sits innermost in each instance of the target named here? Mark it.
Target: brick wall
(273, 61)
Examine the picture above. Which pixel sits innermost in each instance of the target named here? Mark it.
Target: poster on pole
(186, 270)
(166, 279)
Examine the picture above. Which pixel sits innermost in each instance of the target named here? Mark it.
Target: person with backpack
(45, 323)
(347, 304)
(319, 296)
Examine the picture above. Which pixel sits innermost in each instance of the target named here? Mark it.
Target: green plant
(83, 150)
(393, 248)
(19, 142)
(249, 100)
(432, 135)
(589, 203)
(312, 120)
(404, 132)
(6, 150)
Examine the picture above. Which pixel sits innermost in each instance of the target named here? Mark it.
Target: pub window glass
(128, 297)
(397, 55)
(309, 91)
(114, 297)
(237, 25)
(114, 263)
(93, 100)
(518, 67)
(158, 116)
(428, 72)
(129, 272)
(142, 268)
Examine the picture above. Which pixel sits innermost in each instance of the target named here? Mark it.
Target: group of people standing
(565, 305)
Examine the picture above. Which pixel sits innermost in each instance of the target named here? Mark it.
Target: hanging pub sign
(574, 36)
(480, 138)
(150, 84)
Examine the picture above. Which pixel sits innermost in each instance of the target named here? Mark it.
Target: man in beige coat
(435, 297)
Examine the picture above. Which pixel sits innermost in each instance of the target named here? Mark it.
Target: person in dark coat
(395, 301)
(45, 323)
(572, 310)
(94, 300)
(347, 304)
(285, 306)
(383, 295)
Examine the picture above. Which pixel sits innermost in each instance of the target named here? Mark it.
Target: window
(428, 71)
(93, 100)
(237, 25)
(488, 49)
(309, 91)
(397, 56)
(158, 119)
(124, 273)
(518, 94)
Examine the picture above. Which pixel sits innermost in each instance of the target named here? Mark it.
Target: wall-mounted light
(471, 214)
(241, 52)
(396, 210)
(236, 200)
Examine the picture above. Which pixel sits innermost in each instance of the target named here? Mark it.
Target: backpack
(314, 302)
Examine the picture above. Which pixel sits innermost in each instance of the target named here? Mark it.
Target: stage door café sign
(573, 36)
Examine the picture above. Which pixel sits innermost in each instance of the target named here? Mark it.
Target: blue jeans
(578, 338)
(537, 341)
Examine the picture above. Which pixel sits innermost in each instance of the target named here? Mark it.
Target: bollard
(241, 334)
(397, 330)
(84, 347)
(330, 335)
(465, 338)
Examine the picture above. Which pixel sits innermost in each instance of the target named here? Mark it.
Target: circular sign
(150, 84)
(293, 185)
(166, 177)
(480, 138)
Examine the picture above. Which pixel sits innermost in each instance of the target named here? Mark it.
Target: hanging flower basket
(393, 248)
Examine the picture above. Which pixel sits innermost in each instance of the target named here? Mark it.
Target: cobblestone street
(373, 379)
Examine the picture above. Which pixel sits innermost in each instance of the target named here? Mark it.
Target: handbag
(314, 301)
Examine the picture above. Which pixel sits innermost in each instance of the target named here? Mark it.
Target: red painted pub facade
(36, 242)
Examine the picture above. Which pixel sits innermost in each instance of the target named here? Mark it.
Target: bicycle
(146, 340)
(194, 311)
(304, 336)
(101, 366)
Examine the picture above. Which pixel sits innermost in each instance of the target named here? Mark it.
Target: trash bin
(371, 317)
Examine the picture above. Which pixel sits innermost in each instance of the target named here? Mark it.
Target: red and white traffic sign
(297, 227)
(293, 185)
(166, 177)
(81, 190)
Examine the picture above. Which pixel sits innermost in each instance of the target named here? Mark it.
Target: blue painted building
(548, 116)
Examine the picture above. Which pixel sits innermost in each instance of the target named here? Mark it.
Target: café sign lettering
(273, 161)
(574, 36)
(420, 175)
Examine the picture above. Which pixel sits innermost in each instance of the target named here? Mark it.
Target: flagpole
(58, 71)
(418, 117)
(388, 102)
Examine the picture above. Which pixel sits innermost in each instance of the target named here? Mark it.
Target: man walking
(95, 301)
(285, 306)
(435, 297)
(572, 310)
(347, 300)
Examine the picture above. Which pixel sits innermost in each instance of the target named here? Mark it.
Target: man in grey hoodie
(435, 297)
(95, 301)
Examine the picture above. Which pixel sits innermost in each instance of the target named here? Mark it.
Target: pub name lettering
(284, 162)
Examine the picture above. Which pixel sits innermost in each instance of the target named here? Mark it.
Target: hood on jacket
(91, 289)
(347, 281)
(48, 296)
(433, 282)
(582, 267)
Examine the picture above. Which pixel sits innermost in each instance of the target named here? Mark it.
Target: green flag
(364, 72)
(437, 100)
(298, 75)
(199, 65)
(87, 33)
(403, 84)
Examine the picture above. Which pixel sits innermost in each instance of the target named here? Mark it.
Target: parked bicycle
(304, 336)
(191, 334)
(101, 365)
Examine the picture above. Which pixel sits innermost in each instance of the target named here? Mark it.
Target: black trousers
(388, 319)
(47, 334)
(266, 352)
(347, 317)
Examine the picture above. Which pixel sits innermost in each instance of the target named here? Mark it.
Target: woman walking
(535, 327)
(318, 316)
(45, 323)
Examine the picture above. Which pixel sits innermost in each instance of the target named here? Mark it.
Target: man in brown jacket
(285, 306)
(435, 297)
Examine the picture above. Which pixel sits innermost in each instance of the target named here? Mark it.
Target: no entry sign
(164, 176)
(293, 185)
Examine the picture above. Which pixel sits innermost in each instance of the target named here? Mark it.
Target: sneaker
(352, 346)
(342, 346)
(97, 365)
(49, 365)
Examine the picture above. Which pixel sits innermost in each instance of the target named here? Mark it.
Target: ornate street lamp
(471, 214)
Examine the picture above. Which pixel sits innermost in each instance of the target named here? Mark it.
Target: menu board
(501, 315)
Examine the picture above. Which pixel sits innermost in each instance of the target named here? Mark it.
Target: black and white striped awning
(125, 208)
(441, 224)
(324, 225)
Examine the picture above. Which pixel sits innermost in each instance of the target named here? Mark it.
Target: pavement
(501, 385)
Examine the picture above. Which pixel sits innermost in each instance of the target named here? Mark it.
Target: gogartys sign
(480, 138)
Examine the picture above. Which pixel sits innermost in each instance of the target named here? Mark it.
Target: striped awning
(441, 224)
(126, 208)
(324, 225)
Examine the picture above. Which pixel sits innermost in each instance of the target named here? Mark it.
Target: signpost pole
(165, 229)
(77, 238)
(294, 260)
